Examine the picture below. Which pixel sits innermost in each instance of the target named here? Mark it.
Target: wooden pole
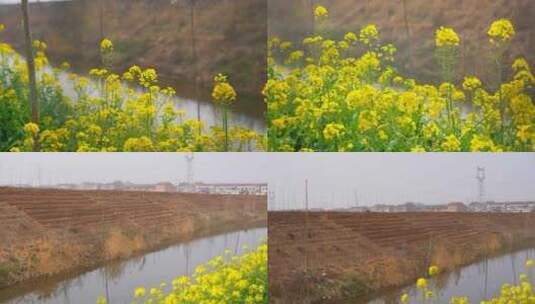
(194, 60)
(34, 103)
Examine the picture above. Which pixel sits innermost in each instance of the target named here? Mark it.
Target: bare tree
(33, 99)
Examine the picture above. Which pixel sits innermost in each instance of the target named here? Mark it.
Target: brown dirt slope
(355, 254)
(43, 232)
(471, 19)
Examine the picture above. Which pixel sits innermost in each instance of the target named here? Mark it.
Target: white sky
(335, 179)
(30, 1)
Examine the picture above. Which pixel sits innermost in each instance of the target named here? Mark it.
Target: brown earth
(348, 257)
(230, 38)
(46, 232)
(470, 19)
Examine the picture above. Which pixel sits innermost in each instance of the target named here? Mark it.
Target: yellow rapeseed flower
(523, 134)
(321, 12)
(421, 283)
(31, 128)
(471, 83)
(333, 131)
(102, 300)
(418, 149)
(451, 144)
(446, 36)
(433, 270)
(520, 64)
(148, 78)
(106, 46)
(139, 292)
(501, 31)
(223, 93)
(350, 37)
(369, 34)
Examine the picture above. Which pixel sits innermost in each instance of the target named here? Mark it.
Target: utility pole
(101, 19)
(408, 32)
(306, 239)
(313, 17)
(34, 105)
(194, 59)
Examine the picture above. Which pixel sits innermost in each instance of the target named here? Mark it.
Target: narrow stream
(119, 279)
(210, 114)
(478, 281)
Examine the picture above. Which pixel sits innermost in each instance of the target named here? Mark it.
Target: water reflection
(478, 281)
(118, 280)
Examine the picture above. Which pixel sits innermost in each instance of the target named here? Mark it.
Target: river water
(478, 281)
(119, 279)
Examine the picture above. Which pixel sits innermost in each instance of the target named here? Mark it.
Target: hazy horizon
(343, 180)
(336, 180)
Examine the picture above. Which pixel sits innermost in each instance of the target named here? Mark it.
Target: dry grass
(117, 245)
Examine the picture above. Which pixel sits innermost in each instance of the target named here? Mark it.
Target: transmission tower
(189, 172)
(271, 200)
(480, 177)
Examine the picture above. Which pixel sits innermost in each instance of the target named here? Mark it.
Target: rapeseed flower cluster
(501, 31)
(223, 92)
(446, 36)
(107, 112)
(106, 46)
(323, 97)
(320, 12)
(224, 279)
(524, 292)
(224, 95)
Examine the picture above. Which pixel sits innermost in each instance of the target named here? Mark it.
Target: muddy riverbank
(50, 232)
(349, 256)
(116, 280)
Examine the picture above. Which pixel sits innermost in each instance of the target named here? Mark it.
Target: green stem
(225, 126)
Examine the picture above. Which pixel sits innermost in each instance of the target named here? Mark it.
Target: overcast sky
(30, 1)
(336, 180)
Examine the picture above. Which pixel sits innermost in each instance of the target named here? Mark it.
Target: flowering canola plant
(242, 280)
(346, 95)
(524, 292)
(108, 112)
